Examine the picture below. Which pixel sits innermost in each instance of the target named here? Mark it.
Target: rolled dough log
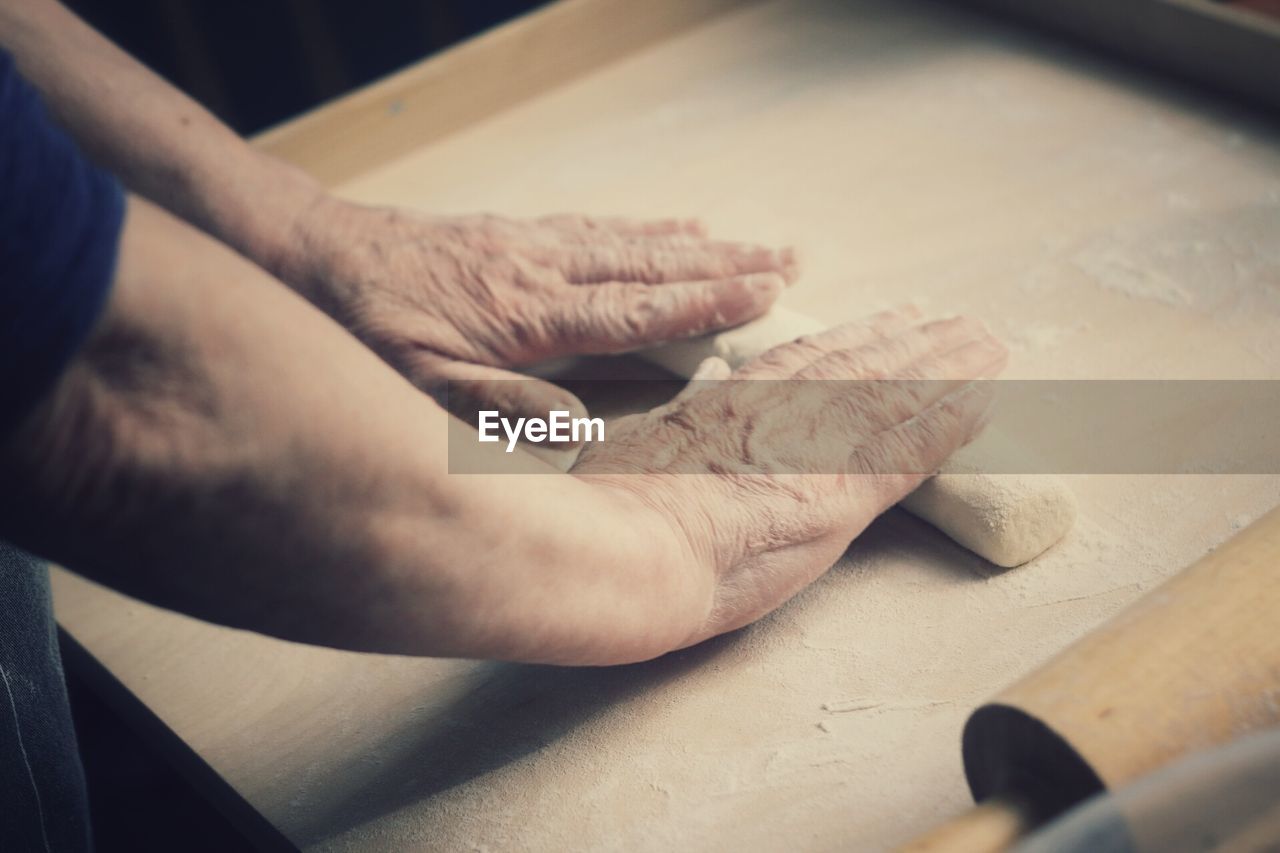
(737, 345)
(1007, 518)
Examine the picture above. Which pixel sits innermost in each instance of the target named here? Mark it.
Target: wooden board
(1231, 47)
(1105, 222)
(476, 79)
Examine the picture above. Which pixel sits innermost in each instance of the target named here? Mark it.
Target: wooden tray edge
(479, 77)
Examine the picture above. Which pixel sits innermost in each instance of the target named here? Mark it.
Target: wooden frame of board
(1233, 50)
(476, 79)
(1236, 51)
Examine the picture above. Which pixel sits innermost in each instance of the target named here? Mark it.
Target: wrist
(677, 571)
(270, 229)
(307, 250)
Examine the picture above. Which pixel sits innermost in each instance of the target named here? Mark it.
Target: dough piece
(1007, 518)
(737, 345)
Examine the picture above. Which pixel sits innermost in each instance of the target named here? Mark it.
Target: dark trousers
(43, 806)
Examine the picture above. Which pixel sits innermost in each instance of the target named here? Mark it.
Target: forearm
(222, 448)
(162, 144)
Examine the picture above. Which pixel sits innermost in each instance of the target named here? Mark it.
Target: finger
(983, 358)
(570, 240)
(897, 354)
(618, 317)
(711, 370)
(874, 404)
(896, 460)
(784, 361)
(623, 262)
(671, 242)
(466, 389)
(574, 224)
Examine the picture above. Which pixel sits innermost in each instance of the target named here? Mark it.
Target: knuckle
(892, 401)
(634, 318)
(893, 453)
(896, 355)
(527, 274)
(776, 360)
(648, 266)
(873, 461)
(843, 364)
(808, 342)
(528, 334)
(949, 417)
(904, 398)
(855, 406)
(614, 317)
(804, 350)
(596, 263)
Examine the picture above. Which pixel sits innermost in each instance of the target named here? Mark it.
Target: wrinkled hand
(860, 447)
(460, 299)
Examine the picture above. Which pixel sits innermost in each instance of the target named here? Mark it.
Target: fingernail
(764, 284)
(982, 421)
(789, 262)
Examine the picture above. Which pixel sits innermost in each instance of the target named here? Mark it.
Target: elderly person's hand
(460, 299)
(767, 480)
(442, 299)
(222, 448)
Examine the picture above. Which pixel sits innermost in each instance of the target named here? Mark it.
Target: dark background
(254, 63)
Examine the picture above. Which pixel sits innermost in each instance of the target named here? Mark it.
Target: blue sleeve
(60, 221)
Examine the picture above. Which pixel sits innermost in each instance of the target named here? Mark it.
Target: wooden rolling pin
(1193, 664)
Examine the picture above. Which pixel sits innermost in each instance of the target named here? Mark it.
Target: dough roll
(1008, 519)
